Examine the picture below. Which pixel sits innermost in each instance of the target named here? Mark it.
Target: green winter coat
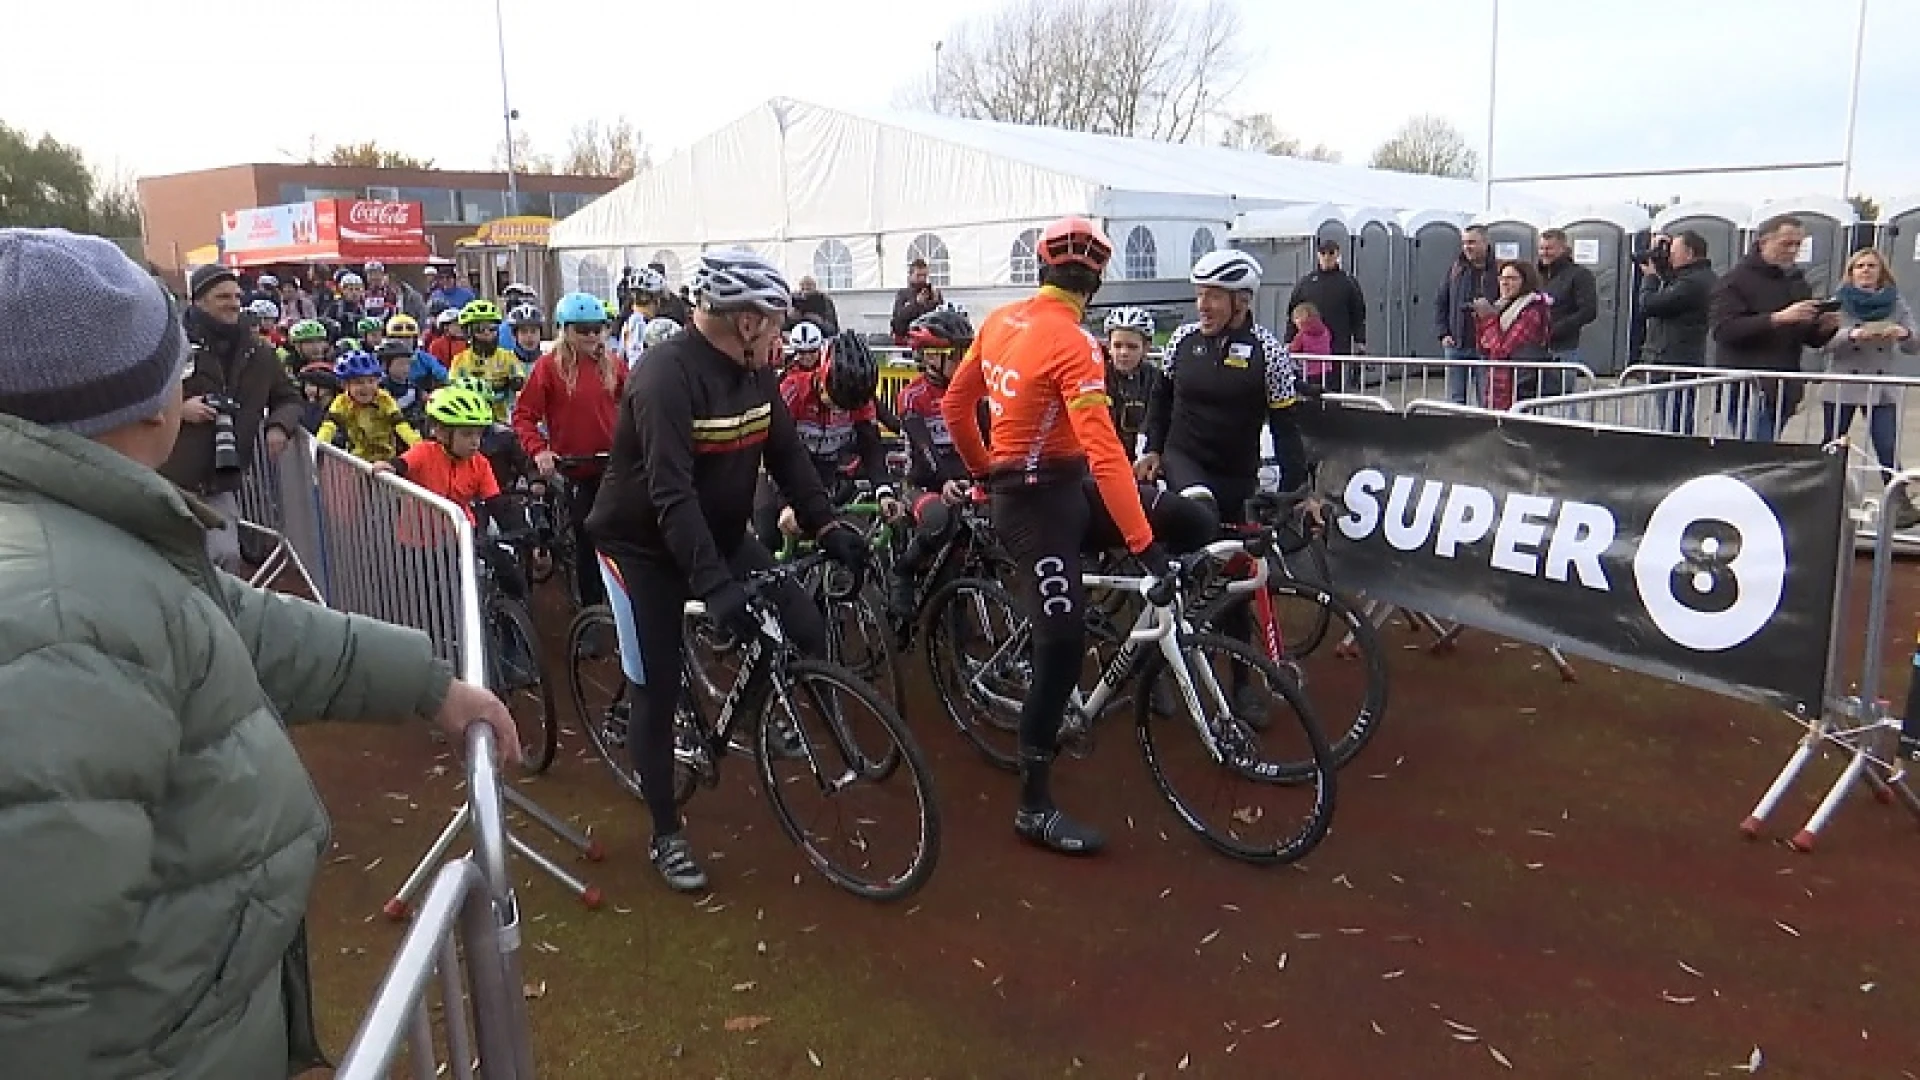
(158, 833)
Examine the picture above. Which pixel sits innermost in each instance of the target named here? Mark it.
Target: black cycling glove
(844, 545)
(728, 608)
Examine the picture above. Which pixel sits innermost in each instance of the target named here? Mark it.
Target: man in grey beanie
(236, 370)
(160, 835)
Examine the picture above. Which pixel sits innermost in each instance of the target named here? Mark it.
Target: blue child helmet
(579, 307)
(359, 365)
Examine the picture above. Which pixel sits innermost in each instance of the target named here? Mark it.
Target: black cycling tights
(585, 565)
(648, 600)
(1044, 528)
(1230, 494)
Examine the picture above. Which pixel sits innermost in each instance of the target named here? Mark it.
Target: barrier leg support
(401, 905)
(1789, 772)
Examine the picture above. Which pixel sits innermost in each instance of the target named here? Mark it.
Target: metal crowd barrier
(468, 934)
(279, 518)
(1403, 380)
(1862, 725)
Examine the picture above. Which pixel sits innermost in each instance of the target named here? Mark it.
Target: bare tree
(367, 155)
(115, 210)
(1427, 144)
(1259, 131)
(1865, 207)
(615, 150)
(525, 160)
(1147, 68)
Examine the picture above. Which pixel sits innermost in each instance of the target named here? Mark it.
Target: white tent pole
(1853, 100)
(1493, 86)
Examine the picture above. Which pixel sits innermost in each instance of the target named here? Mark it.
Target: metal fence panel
(1402, 380)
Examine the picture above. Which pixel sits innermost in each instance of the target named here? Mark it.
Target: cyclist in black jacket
(698, 420)
(1131, 380)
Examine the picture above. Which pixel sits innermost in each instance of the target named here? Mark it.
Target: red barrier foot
(396, 909)
(595, 852)
(1883, 795)
(591, 898)
(1750, 828)
(1802, 841)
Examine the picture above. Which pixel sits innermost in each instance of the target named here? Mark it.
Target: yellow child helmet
(402, 326)
(480, 311)
(456, 406)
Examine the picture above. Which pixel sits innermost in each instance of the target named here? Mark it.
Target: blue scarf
(1867, 305)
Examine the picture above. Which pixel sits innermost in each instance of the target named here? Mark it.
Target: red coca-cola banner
(376, 230)
(330, 230)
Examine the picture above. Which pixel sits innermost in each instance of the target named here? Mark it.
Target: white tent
(852, 197)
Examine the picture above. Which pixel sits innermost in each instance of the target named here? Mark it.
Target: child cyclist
(939, 340)
(451, 466)
(528, 330)
(427, 371)
(831, 401)
(319, 386)
(365, 415)
(498, 444)
(307, 344)
(396, 357)
(1131, 381)
(372, 333)
(485, 358)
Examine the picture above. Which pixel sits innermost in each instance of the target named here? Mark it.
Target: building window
(671, 263)
(930, 247)
(1202, 244)
(1023, 264)
(1143, 255)
(437, 202)
(594, 277)
(833, 265)
(534, 204)
(567, 202)
(383, 194)
(479, 207)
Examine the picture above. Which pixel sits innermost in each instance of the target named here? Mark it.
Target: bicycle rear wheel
(981, 666)
(839, 719)
(600, 693)
(519, 677)
(1244, 777)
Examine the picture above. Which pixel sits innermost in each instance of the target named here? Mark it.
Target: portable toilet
(1433, 244)
(1721, 225)
(1829, 221)
(1602, 238)
(1511, 235)
(1283, 239)
(1378, 261)
(1899, 229)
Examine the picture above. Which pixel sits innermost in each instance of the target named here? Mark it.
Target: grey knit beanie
(89, 342)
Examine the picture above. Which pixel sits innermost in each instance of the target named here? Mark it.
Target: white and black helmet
(1130, 318)
(731, 279)
(1227, 268)
(648, 280)
(806, 337)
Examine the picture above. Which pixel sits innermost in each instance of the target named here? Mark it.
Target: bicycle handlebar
(568, 461)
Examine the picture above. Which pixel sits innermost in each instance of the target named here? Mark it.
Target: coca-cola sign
(383, 214)
(369, 228)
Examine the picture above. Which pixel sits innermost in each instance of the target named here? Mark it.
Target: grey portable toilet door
(1898, 234)
(1436, 246)
(1725, 239)
(1514, 240)
(1373, 268)
(1824, 253)
(1335, 230)
(1602, 247)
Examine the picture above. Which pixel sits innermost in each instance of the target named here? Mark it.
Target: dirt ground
(1525, 878)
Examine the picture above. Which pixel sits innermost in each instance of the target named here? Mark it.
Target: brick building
(181, 212)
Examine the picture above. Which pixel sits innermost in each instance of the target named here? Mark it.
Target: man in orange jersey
(1045, 385)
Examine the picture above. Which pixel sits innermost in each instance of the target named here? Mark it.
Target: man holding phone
(1762, 315)
(914, 300)
(1472, 277)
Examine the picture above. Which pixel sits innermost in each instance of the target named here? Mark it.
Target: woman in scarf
(1514, 328)
(1875, 326)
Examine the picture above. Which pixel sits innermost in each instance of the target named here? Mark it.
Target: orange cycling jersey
(1046, 387)
(460, 482)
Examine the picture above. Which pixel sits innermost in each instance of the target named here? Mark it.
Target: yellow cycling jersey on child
(371, 430)
(502, 370)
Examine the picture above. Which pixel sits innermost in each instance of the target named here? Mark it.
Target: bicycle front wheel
(982, 668)
(876, 836)
(519, 676)
(1255, 775)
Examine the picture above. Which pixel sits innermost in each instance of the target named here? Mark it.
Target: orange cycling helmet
(1075, 241)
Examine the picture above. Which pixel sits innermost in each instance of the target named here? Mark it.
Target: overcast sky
(160, 86)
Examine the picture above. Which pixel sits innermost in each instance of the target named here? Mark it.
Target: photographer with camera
(913, 300)
(1763, 314)
(1676, 290)
(1473, 277)
(234, 384)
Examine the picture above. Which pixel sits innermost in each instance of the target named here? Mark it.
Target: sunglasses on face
(588, 328)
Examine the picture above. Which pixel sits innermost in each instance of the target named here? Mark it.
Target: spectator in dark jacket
(1675, 293)
(1763, 314)
(1337, 297)
(1576, 299)
(815, 306)
(233, 365)
(1472, 277)
(914, 300)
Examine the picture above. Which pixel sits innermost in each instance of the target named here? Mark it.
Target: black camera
(1659, 253)
(226, 444)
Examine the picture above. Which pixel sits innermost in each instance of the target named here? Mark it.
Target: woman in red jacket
(567, 410)
(1514, 328)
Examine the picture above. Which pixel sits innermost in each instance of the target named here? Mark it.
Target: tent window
(672, 263)
(1023, 265)
(933, 249)
(833, 265)
(1202, 244)
(594, 277)
(1143, 255)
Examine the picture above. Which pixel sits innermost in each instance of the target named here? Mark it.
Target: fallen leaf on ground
(1786, 928)
(534, 991)
(1499, 1057)
(1671, 999)
(813, 1057)
(747, 1023)
(743, 987)
(1185, 1060)
(1690, 969)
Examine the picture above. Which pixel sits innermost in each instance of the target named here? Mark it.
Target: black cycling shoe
(1057, 832)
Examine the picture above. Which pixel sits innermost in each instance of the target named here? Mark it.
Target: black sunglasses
(589, 328)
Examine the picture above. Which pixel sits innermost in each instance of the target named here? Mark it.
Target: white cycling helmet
(731, 279)
(268, 281)
(1130, 318)
(447, 318)
(806, 337)
(657, 331)
(648, 280)
(351, 279)
(265, 310)
(1227, 268)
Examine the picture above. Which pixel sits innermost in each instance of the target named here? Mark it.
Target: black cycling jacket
(1216, 393)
